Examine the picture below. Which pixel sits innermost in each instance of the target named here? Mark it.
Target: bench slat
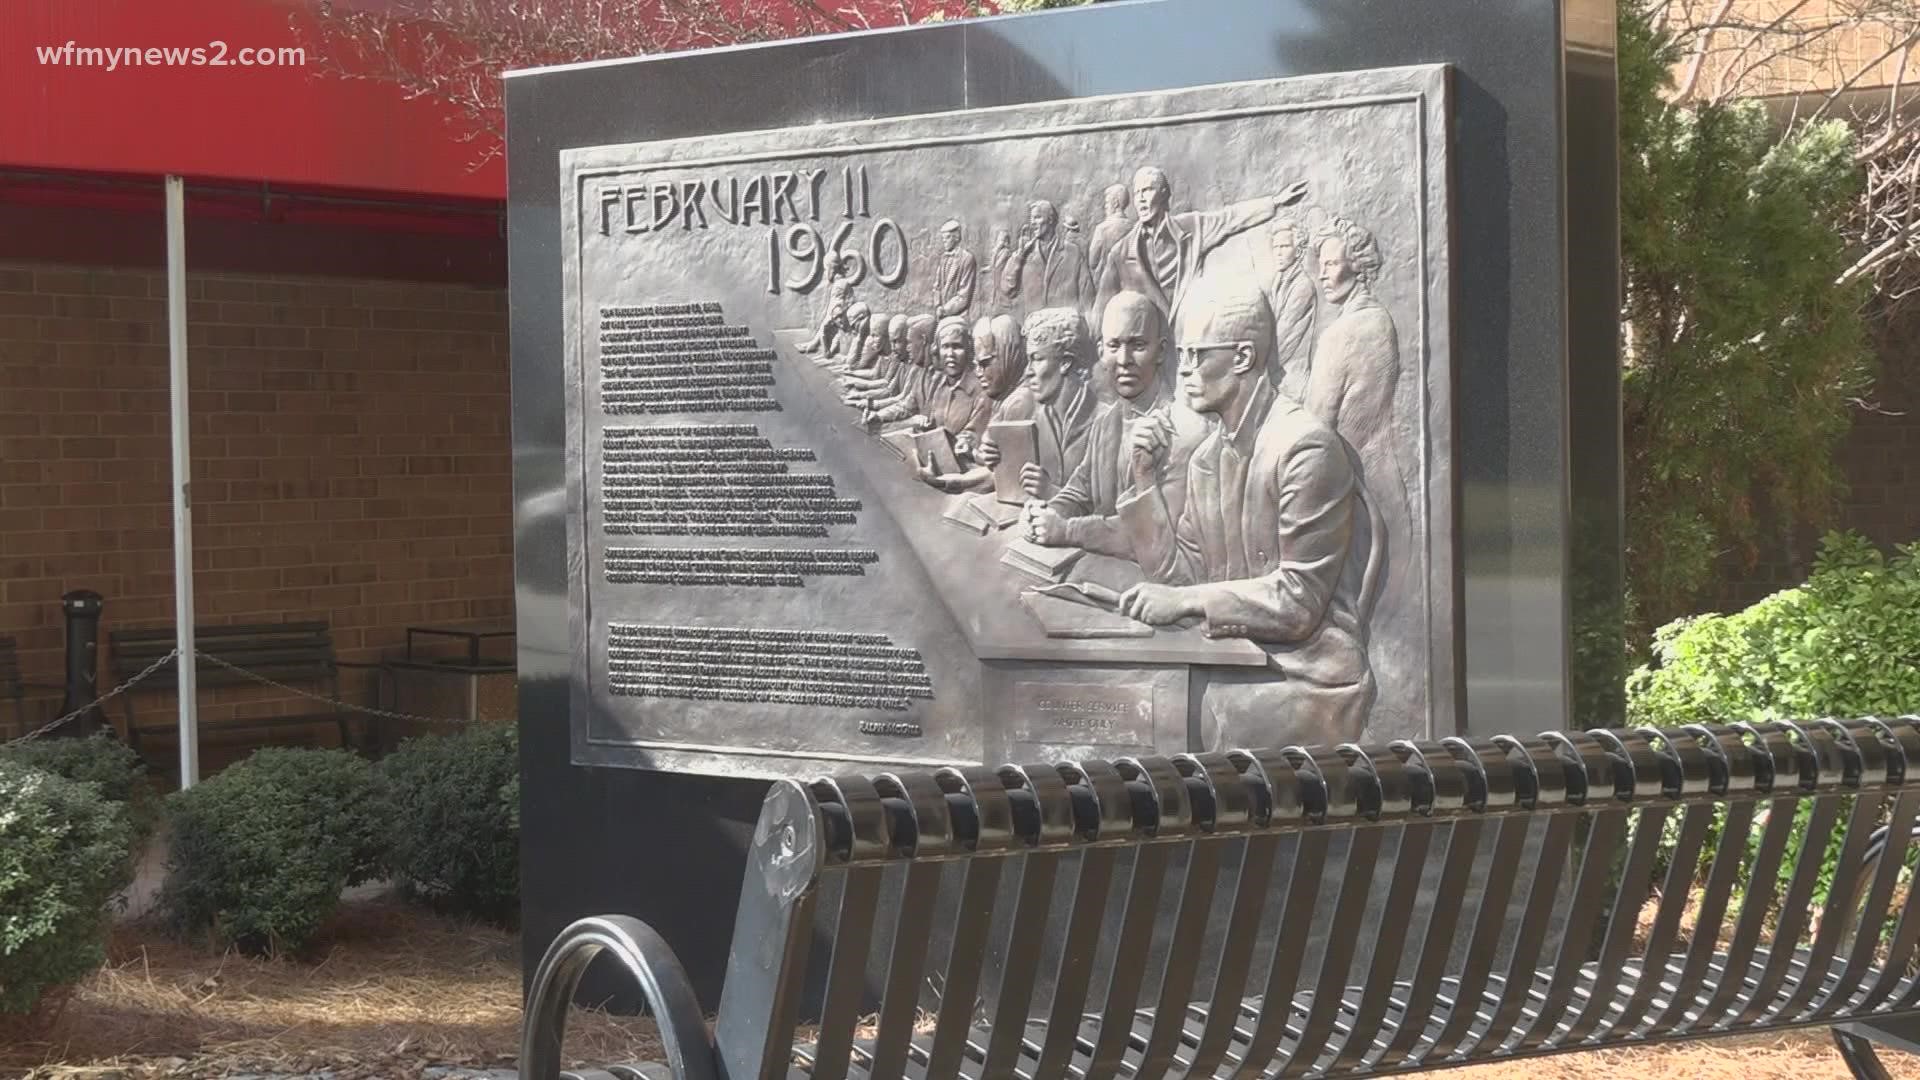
(1794, 910)
(1674, 892)
(966, 957)
(1138, 915)
(1403, 896)
(1085, 902)
(1252, 887)
(1879, 899)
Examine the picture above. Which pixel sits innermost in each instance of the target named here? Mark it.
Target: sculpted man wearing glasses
(1274, 543)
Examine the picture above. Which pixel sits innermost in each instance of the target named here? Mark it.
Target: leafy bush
(455, 825)
(262, 850)
(63, 854)
(1844, 644)
(112, 766)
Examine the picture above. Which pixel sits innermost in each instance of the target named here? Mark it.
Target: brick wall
(351, 450)
(1880, 461)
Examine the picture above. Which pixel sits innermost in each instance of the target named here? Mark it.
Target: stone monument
(841, 444)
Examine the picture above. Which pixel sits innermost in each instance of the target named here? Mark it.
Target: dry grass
(385, 992)
(390, 990)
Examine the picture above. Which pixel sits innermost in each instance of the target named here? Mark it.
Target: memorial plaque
(1109, 425)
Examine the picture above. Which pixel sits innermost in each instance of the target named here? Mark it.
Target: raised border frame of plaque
(739, 546)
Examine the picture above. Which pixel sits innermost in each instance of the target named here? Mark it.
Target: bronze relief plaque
(1115, 425)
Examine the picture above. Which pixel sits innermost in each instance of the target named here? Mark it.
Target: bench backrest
(293, 652)
(1292, 908)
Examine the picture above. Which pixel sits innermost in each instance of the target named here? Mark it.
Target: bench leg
(646, 959)
(1856, 1040)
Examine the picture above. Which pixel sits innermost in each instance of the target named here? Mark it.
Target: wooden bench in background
(945, 900)
(294, 654)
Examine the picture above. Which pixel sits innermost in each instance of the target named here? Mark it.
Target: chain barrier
(99, 701)
(345, 706)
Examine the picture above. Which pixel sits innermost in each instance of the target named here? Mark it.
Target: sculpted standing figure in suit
(954, 275)
(1294, 302)
(1046, 271)
(1133, 339)
(1110, 230)
(1273, 545)
(1164, 250)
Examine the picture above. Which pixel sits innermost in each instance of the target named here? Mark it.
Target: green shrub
(262, 850)
(455, 825)
(103, 761)
(1844, 644)
(63, 854)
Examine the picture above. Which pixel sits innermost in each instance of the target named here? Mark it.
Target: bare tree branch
(453, 52)
(1823, 60)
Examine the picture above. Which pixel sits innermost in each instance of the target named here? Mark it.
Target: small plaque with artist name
(1084, 714)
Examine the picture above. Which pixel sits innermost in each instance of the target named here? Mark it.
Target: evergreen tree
(1742, 354)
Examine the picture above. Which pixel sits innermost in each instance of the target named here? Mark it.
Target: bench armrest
(647, 959)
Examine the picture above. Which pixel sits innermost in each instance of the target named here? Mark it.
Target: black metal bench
(294, 654)
(1358, 911)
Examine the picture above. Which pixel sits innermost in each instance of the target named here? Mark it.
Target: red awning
(284, 124)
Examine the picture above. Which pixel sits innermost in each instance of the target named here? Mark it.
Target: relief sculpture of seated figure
(911, 378)
(1057, 397)
(951, 399)
(1083, 514)
(879, 380)
(1001, 363)
(1274, 541)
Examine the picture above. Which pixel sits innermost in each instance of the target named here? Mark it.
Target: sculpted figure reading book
(1056, 404)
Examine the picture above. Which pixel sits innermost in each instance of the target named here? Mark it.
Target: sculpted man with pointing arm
(1164, 250)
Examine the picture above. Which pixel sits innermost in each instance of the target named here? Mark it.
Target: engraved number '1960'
(885, 256)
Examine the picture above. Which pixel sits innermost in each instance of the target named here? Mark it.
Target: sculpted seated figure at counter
(1133, 342)
(1057, 398)
(952, 398)
(1273, 542)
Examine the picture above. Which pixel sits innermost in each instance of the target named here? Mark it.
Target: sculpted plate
(1117, 424)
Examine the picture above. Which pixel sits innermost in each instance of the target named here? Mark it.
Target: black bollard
(82, 607)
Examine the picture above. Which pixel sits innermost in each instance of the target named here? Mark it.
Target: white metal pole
(182, 483)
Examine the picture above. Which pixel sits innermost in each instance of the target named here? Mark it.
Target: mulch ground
(389, 991)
